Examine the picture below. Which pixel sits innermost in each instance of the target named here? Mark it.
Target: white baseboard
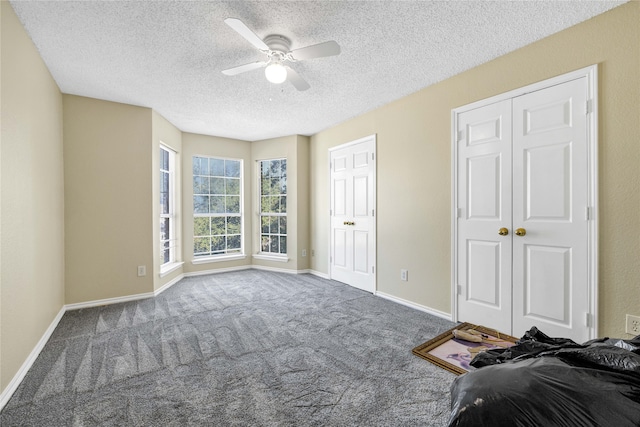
(167, 285)
(107, 301)
(216, 271)
(411, 304)
(319, 274)
(19, 376)
(278, 270)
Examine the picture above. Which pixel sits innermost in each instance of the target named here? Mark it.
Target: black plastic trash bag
(543, 381)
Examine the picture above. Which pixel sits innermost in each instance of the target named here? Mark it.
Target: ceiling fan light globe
(275, 73)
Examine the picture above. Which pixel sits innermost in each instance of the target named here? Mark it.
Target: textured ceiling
(168, 55)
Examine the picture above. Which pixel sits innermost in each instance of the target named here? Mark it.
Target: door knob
(503, 231)
(521, 232)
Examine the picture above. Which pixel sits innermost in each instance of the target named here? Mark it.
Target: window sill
(278, 258)
(168, 268)
(220, 258)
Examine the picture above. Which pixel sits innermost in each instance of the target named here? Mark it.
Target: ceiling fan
(277, 49)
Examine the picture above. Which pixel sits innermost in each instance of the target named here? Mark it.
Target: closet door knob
(503, 231)
(521, 232)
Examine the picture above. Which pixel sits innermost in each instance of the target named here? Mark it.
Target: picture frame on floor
(455, 354)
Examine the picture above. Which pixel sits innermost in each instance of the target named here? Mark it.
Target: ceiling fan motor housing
(278, 43)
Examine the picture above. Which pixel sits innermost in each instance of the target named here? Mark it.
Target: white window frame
(172, 240)
(261, 254)
(201, 259)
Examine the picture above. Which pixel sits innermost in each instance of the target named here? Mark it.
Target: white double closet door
(523, 212)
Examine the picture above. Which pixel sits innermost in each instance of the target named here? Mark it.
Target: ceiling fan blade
(316, 51)
(297, 81)
(245, 32)
(243, 68)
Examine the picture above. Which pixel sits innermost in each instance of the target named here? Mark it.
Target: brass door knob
(521, 232)
(503, 231)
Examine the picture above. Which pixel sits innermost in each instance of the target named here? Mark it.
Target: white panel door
(352, 214)
(550, 165)
(484, 203)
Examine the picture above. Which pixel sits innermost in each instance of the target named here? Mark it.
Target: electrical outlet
(633, 325)
(142, 270)
(404, 275)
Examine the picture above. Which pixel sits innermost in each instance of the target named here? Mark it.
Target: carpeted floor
(249, 348)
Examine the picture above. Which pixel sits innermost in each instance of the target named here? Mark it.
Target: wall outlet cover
(633, 325)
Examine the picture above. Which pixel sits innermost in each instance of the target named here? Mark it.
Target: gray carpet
(248, 348)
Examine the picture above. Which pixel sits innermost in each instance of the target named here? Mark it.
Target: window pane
(275, 186)
(201, 245)
(164, 182)
(275, 168)
(164, 203)
(200, 204)
(164, 159)
(216, 204)
(233, 204)
(264, 204)
(265, 186)
(282, 189)
(164, 229)
(283, 225)
(200, 166)
(200, 185)
(275, 204)
(216, 167)
(266, 244)
(217, 226)
(201, 226)
(232, 168)
(233, 242)
(218, 244)
(283, 204)
(217, 185)
(283, 245)
(283, 168)
(232, 186)
(264, 169)
(233, 225)
(274, 245)
(273, 225)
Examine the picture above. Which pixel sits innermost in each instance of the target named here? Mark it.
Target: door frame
(591, 110)
(374, 138)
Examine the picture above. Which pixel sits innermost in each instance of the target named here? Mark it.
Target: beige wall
(31, 198)
(414, 164)
(201, 145)
(108, 199)
(303, 204)
(167, 134)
